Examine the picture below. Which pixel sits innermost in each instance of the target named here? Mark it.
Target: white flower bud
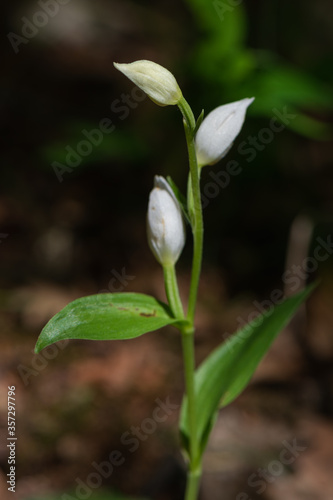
(165, 223)
(158, 83)
(218, 131)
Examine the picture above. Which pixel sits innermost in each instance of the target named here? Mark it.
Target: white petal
(165, 224)
(158, 82)
(218, 131)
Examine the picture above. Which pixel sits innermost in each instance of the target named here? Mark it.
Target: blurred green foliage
(125, 145)
(224, 64)
(220, 51)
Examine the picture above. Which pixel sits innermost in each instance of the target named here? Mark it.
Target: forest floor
(78, 402)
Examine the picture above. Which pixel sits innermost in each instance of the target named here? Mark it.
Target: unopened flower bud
(218, 131)
(158, 83)
(165, 223)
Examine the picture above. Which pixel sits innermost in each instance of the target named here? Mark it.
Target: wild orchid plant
(226, 371)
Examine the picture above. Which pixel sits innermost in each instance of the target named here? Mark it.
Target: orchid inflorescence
(213, 140)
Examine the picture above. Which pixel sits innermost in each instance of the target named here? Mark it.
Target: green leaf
(229, 368)
(106, 316)
(180, 197)
(199, 121)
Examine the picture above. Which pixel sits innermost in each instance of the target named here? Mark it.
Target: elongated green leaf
(106, 316)
(228, 369)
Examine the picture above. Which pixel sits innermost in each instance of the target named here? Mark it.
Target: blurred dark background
(79, 148)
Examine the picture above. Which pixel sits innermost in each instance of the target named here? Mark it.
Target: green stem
(187, 331)
(197, 229)
(195, 209)
(189, 369)
(193, 483)
(197, 219)
(172, 291)
(187, 113)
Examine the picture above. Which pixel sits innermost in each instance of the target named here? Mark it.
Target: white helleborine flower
(165, 223)
(158, 83)
(218, 131)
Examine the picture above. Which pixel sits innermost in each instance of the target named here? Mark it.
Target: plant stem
(189, 368)
(193, 483)
(195, 209)
(172, 291)
(197, 219)
(187, 331)
(197, 229)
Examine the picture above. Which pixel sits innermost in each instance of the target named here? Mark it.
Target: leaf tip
(38, 347)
